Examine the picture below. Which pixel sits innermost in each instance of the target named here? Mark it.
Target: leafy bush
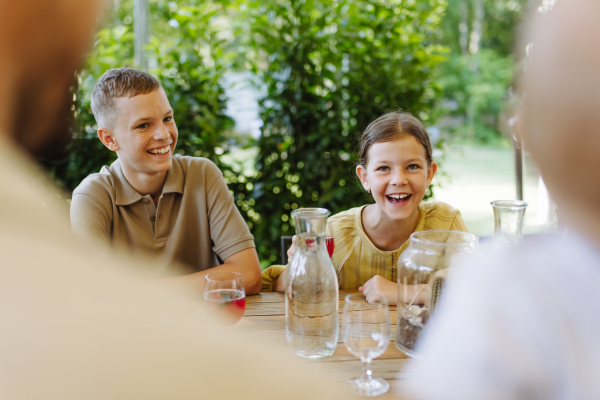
(475, 97)
(186, 57)
(330, 68)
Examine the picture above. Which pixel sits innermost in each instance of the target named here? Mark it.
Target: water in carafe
(311, 295)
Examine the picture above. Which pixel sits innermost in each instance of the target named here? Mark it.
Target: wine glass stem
(366, 375)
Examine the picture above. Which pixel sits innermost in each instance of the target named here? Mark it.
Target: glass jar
(311, 289)
(508, 222)
(422, 271)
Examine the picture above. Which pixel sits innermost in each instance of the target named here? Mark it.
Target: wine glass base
(370, 388)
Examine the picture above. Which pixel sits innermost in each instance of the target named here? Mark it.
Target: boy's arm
(245, 262)
(90, 219)
(230, 235)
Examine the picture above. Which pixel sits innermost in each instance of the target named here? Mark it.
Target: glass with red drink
(224, 297)
(330, 245)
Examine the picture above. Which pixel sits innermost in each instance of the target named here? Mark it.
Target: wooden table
(264, 319)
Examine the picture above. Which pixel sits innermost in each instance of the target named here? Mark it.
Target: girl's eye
(383, 168)
(413, 166)
(143, 126)
(168, 119)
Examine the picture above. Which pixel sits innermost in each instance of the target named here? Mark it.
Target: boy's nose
(161, 133)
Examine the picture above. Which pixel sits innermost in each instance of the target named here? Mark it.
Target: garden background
(275, 92)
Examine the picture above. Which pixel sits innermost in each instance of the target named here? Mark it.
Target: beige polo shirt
(196, 216)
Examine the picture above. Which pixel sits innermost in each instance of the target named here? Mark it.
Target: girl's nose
(399, 178)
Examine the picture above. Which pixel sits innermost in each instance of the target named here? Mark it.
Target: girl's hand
(378, 288)
(292, 248)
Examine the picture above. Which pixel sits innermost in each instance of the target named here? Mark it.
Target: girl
(396, 167)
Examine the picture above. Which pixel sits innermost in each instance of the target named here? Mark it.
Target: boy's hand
(292, 248)
(378, 288)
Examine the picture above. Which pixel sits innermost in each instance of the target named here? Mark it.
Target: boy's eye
(168, 119)
(143, 126)
(413, 166)
(383, 168)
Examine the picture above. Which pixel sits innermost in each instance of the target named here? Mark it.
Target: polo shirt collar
(126, 195)
(175, 177)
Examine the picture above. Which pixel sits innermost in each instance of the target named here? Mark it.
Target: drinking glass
(330, 245)
(366, 331)
(225, 297)
(508, 222)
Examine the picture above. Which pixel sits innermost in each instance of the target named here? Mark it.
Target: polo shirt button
(146, 201)
(152, 218)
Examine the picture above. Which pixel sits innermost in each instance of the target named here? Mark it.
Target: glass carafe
(311, 289)
(422, 272)
(508, 222)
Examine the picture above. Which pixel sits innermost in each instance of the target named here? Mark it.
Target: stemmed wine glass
(366, 332)
(225, 297)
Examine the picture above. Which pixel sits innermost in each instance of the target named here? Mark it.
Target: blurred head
(135, 120)
(560, 121)
(395, 163)
(42, 44)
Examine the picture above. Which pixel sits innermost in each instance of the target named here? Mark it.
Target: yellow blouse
(356, 259)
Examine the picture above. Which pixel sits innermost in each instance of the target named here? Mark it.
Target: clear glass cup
(366, 333)
(225, 297)
(508, 222)
(311, 289)
(422, 272)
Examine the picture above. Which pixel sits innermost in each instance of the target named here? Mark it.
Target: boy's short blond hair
(115, 83)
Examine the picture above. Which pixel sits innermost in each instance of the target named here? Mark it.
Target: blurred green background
(276, 92)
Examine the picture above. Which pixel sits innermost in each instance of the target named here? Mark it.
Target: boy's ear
(107, 138)
(431, 172)
(362, 175)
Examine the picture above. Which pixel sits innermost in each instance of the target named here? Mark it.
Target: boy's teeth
(398, 196)
(159, 151)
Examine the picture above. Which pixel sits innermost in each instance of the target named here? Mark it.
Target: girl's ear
(431, 172)
(361, 172)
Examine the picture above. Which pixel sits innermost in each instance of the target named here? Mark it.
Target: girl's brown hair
(389, 127)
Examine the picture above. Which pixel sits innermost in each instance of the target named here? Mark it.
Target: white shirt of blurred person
(175, 208)
(75, 322)
(526, 324)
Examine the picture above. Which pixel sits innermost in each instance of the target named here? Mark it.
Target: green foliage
(475, 89)
(186, 57)
(476, 86)
(329, 68)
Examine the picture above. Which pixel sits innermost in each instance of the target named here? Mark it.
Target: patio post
(140, 27)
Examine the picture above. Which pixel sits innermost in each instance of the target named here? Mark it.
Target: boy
(525, 325)
(150, 200)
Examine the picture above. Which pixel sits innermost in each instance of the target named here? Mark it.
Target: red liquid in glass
(226, 305)
(330, 245)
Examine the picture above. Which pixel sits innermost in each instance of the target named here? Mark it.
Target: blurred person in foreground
(526, 323)
(152, 201)
(75, 324)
